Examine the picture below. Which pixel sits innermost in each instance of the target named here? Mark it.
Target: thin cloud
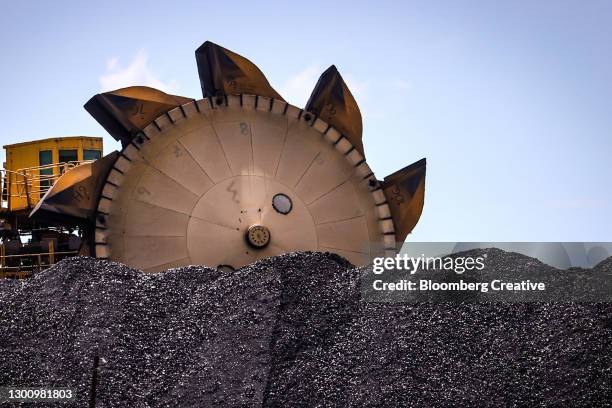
(297, 88)
(137, 72)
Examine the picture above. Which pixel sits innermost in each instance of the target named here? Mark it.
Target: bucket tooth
(332, 101)
(125, 112)
(223, 72)
(405, 193)
(74, 196)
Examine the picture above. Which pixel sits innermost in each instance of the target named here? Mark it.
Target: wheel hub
(258, 236)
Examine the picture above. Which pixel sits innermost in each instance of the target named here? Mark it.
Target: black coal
(292, 331)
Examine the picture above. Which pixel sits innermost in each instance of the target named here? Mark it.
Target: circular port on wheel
(282, 203)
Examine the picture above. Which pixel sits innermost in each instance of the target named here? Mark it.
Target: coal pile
(292, 331)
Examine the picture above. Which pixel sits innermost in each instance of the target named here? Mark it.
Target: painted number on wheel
(396, 195)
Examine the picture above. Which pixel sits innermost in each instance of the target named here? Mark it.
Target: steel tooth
(124, 112)
(223, 72)
(405, 193)
(333, 102)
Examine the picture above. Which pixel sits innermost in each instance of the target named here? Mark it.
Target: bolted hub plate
(258, 236)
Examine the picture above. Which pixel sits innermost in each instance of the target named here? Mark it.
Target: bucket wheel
(242, 175)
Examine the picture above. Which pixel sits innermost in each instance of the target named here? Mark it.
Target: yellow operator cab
(32, 167)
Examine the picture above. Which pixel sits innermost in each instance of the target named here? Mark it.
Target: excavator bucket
(333, 102)
(405, 192)
(73, 198)
(125, 112)
(223, 72)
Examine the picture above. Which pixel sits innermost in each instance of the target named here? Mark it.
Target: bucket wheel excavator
(237, 176)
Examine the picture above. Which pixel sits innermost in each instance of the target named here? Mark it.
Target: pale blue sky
(510, 102)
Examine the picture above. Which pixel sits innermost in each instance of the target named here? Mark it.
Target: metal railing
(32, 183)
(19, 266)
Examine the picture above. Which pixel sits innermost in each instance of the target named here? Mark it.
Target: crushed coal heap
(292, 331)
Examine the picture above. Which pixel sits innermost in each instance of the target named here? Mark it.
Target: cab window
(91, 154)
(45, 157)
(66, 156)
